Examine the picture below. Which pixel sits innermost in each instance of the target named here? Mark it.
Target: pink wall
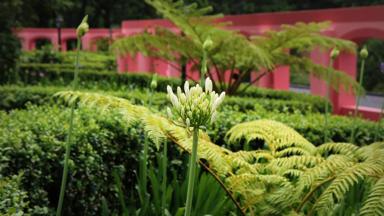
(356, 24)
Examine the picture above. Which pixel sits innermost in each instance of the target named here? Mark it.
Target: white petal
(208, 85)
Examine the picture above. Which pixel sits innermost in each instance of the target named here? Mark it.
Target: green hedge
(33, 142)
(88, 60)
(12, 97)
(56, 74)
(234, 110)
(311, 126)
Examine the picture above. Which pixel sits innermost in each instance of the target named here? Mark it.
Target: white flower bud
(169, 91)
(187, 122)
(186, 88)
(208, 85)
(178, 91)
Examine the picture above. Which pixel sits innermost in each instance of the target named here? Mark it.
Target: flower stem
(379, 122)
(357, 100)
(69, 136)
(192, 172)
(164, 183)
(328, 96)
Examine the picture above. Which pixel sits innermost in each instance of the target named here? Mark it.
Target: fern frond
(276, 136)
(374, 204)
(336, 191)
(346, 149)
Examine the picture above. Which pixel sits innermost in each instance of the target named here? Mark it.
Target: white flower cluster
(194, 107)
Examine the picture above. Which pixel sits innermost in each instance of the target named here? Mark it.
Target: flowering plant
(194, 107)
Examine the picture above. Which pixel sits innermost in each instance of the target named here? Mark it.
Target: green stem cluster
(69, 137)
(357, 99)
(192, 172)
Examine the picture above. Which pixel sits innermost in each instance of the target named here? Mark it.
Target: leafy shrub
(13, 97)
(235, 110)
(88, 60)
(32, 141)
(286, 175)
(13, 200)
(9, 54)
(51, 74)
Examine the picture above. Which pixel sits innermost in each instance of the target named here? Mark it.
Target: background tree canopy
(35, 13)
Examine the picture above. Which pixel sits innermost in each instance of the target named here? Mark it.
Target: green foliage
(62, 75)
(9, 54)
(47, 56)
(233, 52)
(235, 110)
(373, 79)
(287, 175)
(33, 142)
(13, 198)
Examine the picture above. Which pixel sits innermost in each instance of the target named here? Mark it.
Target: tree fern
(232, 52)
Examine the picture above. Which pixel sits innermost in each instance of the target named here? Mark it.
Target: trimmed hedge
(311, 126)
(62, 75)
(88, 60)
(33, 142)
(56, 74)
(234, 110)
(12, 97)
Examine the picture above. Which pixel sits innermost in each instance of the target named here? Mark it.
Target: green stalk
(192, 172)
(328, 96)
(203, 68)
(69, 137)
(164, 183)
(379, 122)
(357, 100)
(144, 168)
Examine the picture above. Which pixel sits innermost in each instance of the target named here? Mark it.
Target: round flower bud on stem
(154, 82)
(364, 53)
(208, 43)
(335, 53)
(83, 27)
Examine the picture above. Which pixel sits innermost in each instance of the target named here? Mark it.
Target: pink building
(356, 24)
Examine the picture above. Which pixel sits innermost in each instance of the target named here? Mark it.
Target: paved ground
(369, 100)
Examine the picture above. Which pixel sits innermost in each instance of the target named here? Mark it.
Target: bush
(311, 126)
(9, 54)
(234, 110)
(51, 74)
(13, 200)
(88, 60)
(12, 97)
(33, 142)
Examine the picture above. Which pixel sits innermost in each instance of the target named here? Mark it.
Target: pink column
(280, 78)
(144, 63)
(63, 45)
(121, 64)
(54, 41)
(24, 43)
(31, 44)
(264, 82)
(160, 67)
(345, 62)
(348, 63)
(317, 86)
